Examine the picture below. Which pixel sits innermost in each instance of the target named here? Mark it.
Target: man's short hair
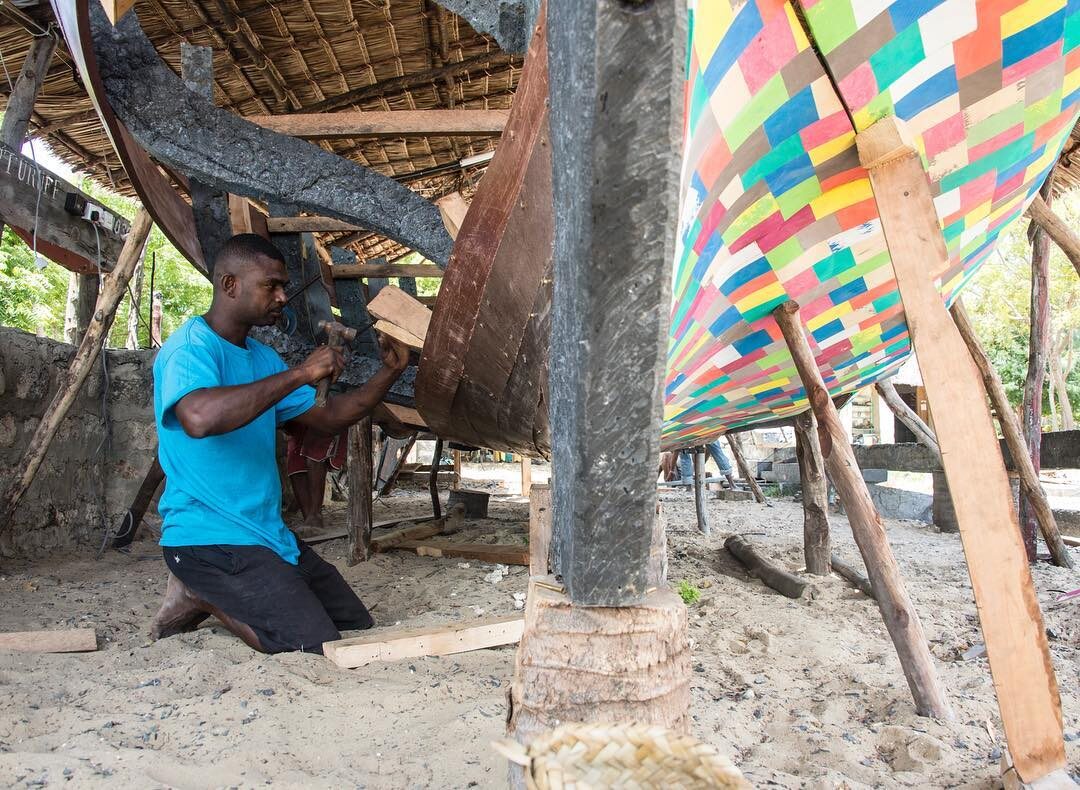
(243, 248)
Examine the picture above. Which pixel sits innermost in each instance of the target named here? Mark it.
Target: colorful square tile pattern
(776, 206)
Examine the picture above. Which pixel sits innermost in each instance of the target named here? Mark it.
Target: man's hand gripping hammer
(337, 334)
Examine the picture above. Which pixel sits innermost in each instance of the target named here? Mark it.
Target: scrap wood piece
(72, 640)
(394, 644)
(399, 334)
(404, 414)
(852, 575)
(394, 305)
(505, 553)
(773, 575)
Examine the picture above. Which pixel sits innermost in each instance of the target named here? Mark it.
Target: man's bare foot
(314, 522)
(181, 611)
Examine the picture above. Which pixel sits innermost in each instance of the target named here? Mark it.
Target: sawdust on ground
(798, 693)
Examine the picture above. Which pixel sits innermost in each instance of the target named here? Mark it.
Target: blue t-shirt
(221, 489)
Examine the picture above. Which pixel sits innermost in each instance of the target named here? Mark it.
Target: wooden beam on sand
(1014, 439)
(505, 553)
(379, 123)
(897, 610)
(394, 644)
(360, 270)
(71, 381)
(74, 640)
(771, 574)
(1012, 624)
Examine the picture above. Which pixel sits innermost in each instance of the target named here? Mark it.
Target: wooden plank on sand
(72, 640)
(506, 553)
(394, 644)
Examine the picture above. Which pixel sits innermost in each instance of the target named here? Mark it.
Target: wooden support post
(1038, 345)
(1005, 599)
(744, 468)
(608, 649)
(539, 529)
(906, 415)
(81, 364)
(699, 491)
(901, 619)
(81, 300)
(134, 306)
(1064, 236)
(526, 475)
(358, 521)
(433, 478)
(1014, 440)
(457, 469)
(815, 494)
(20, 104)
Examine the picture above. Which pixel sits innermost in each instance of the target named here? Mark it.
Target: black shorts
(290, 607)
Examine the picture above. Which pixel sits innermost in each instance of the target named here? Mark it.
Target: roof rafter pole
(186, 132)
(490, 60)
(251, 45)
(394, 123)
(615, 123)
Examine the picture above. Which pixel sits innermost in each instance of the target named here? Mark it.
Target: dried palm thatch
(282, 56)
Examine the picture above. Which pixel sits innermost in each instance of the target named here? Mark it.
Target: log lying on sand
(852, 575)
(774, 576)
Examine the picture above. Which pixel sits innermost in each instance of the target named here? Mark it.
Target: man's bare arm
(344, 410)
(217, 410)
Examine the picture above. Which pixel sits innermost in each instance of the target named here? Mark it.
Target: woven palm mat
(594, 756)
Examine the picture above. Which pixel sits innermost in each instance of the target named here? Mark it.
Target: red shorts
(304, 445)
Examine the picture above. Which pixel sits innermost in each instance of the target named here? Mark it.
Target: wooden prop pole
(1035, 380)
(526, 475)
(539, 529)
(907, 415)
(86, 355)
(815, 494)
(901, 619)
(1012, 624)
(433, 478)
(358, 522)
(699, 492)
(1014, 439)
(1063, 236)
(744, 468)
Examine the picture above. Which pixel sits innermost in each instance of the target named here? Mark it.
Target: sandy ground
(798, 694)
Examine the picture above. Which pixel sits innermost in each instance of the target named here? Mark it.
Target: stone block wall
(90, 474)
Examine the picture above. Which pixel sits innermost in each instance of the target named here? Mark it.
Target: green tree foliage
(33, 294)
(998, 301)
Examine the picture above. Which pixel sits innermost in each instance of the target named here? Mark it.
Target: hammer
(336, 334)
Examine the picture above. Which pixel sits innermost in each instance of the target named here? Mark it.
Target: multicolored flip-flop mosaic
(776, 206)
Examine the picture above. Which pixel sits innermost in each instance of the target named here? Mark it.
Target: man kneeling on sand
(219, 397)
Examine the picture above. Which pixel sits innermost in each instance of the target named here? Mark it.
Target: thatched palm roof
(282, 56)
